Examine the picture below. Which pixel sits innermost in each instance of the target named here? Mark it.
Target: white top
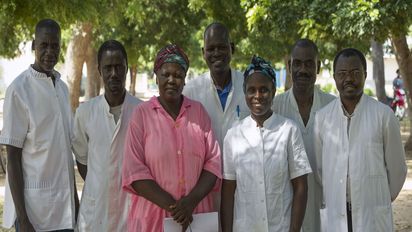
(285, 104)
(377, 167)
(203, 89)
(98, 142)
(37, 118)
(263, 161)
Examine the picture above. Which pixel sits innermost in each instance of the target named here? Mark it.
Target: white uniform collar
(41, 75)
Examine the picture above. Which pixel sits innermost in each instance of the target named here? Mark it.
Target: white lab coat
(263, 161)
(37, 118)
(202, 89)
(98, 142)
(377, 169)
(285, 104)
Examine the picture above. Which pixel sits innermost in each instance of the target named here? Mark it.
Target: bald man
(221, 89)
(37, 120)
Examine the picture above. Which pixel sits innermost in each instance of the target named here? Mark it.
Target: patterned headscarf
(171, 54)
(258, 64)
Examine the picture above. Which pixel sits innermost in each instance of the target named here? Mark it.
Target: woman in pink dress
(172, 159)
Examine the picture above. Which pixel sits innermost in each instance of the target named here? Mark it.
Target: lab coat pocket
(87, 211)
(383, 219)
(39, 206)
(375, 159)
(324, 219)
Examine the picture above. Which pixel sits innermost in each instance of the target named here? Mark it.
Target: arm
(151, 191)
(226, 207)
(16, 182)
(300, 195)
(394, 156)
(82, 170)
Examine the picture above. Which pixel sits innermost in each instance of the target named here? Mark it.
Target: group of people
(301, 160)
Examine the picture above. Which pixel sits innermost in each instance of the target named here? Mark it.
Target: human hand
(182, 211)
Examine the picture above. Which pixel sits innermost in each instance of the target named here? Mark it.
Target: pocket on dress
(87, 211)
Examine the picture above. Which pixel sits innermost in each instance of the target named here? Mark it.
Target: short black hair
(306, 43)
(217, 25)
(47, 23)
(111, 45)
(348, 52)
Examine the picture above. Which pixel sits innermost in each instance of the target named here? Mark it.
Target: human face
(217, 51)
(303, 67)
(170, 78)
(259, 96)
(113, 70)
(46, 46)
(349, 77)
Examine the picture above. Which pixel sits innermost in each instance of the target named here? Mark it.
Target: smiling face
(303, 66)
(259, 93)
(46, 46)
(170, 78)
(349, 77)
(217, 50)
(113, 69)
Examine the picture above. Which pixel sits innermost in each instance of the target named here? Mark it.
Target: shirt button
(181, 181)
(341, 181)
(179, 152)
(177, 125)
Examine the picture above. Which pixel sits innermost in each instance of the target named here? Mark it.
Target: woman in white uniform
(264, 163)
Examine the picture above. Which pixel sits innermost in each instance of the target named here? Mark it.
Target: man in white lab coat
(219, 90)
(300, 104)
(359, 153)
(40, 188)
(100, 127)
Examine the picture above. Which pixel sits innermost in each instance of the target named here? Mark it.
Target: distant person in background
(300, 103)
(359, 154)
(264, 163)
(219, 90)
(172, 158)
(398, 81)
(36, 132)
(99, 133)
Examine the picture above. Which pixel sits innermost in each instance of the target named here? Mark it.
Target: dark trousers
(349, 215)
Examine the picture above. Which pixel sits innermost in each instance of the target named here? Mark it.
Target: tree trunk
(75, 58)
(288, 81)
(93, 76)
(379, 71)
(404, 59)
(133, 73)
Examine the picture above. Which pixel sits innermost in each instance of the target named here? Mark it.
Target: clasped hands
(182, 211)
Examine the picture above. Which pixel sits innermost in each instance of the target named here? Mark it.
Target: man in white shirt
(359, 153)
(100, 127)
(300, 104)
(221, 89)
(36, 132)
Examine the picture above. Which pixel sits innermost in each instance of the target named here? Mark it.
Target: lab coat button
(341, 181)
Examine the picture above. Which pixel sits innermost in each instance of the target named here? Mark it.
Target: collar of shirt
(157, 106)
(40, 75)
(224, 93)
(346, 113)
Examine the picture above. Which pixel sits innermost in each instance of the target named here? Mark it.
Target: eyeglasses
(354, 73)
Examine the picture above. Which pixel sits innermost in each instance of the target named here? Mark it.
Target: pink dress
(172, 153)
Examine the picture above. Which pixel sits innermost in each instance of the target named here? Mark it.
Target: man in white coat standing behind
(359, 153)
(100, 127)
(221, 89)
(300, 104)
